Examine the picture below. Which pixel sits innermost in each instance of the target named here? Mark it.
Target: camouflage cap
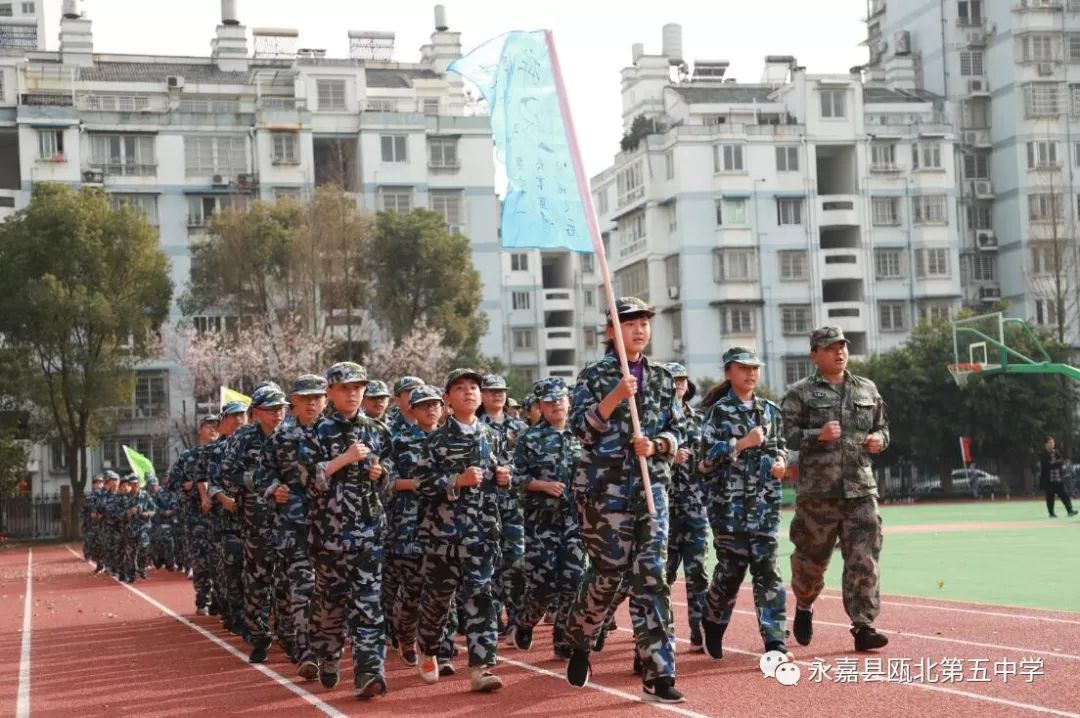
(513, 403)
(233, 407)
(463, 373)
(529, 401)
(677, 370)
(209, 419)
(346, 372)
(376, 389)
(151, 479)
(272, 384)
(746, 356)
(423, 394)
(98, 479)
(550, 388)
(629, 307)
(493, 382)
(268, 397)
(309, 385)
(110, 475)
(130, 479)
(407, 383)
(824, 336)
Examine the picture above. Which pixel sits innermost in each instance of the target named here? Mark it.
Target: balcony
(846, 315)
(125, 169)
(837, 210)
(46, 99)
(563, 372)
(841, 264)
(558, 300)
(559, 338)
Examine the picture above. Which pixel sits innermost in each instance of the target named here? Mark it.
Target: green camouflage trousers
(817, 525)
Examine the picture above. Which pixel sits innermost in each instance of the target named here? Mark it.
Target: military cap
(268, 397)
(233, 407)
(98, 479)
(747, 356)
(272, 384)
(346, 372)
(209, 419)
(678, 371)
(151, 479)
(422, 394)
(463, 373)
(513, 403)
(529, 401)
(131, 479)
(377, 389)
(550, 388)
(110, 475)
(824, 336)
(407, 383)
(493, 382)
(309, 385)
(628, 307)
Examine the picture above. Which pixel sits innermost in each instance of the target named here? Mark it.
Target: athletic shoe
(662, 690)
(407, 653)
(308, 670)
(578, 668)
(523, 638)
(803, 626)
(696, 645)
(779, 646)
(428, 668)
(369, 685)
(201, 611)
(328, 679)
(446, 668)
(561, 653)
(258, 655)
(867, 639)
(714, 639)
(484, 681)
(1073, 512)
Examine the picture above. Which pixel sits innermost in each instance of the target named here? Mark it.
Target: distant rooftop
(153, 72)
(882, 94)
(724, 94)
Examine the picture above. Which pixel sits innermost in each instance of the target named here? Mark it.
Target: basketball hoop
(960, 372)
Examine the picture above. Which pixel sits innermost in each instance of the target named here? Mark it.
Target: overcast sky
(593, 36)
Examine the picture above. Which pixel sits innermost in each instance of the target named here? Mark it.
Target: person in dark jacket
(1052, 478)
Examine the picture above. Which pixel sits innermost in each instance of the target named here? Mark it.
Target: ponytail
(714, 394)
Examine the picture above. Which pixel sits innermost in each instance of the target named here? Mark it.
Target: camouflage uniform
(116, 507)
(623, 540)
(345, 535)
(196, 526)
(837, 492)
(166, 520)
(137, 538)
(554, 553)
(226, 544)
(395, 420)
(461, 533)
(744, 506)
(95, 506)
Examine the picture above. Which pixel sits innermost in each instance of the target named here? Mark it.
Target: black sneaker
(578, 668)
(562, 653)
(803, 626)
(696, 644)
(1073, 512)
(781, 647)
(662, 690)
(327, 679)
(446, 669)
(867, 639)
(523, 638)
(1053, 515)
(601, 640)
(258, 655)
(714, 639)
(369, 685)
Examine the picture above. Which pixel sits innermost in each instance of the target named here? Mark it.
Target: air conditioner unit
(673, 292)
(989, 294)
(454, 229)
(247, 181)
(982, 188)
(985, 240)
(1046, 69)
(677, 345)
(93, 177)
(977, 87)
(175, 82)
(976, 37)
(219, 181)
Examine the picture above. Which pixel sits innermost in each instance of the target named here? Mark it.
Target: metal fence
(26, 517)
(903, 482)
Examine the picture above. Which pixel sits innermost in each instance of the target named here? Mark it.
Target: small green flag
(141, 465)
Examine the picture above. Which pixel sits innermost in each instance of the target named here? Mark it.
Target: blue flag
(542, 208)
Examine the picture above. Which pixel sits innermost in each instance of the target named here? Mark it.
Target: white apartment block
(756, 212)
(1012, 68)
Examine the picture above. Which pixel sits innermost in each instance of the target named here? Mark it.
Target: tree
(419, 353)
(13, 457)
(85, 289)
(640, 127)
(1054, 275)
(424, 275)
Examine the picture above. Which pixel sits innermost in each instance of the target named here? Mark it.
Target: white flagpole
(598, 248)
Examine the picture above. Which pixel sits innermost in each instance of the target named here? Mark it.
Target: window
(144, 204)
(975, 114)
(155, 448)
(731, 212)
(970, 12)
(735, 265)
(201, 208)
(1043, 207)
(1044, 257)
(5, 10)
(521, 300)
(206, 155)
(885, 211)
(430, 106)
(1046, 312)
(1073, 47)
(291, 193)
(832, 104)
(51, 145)
(934, 311)
(600, 201)
(519, 262)
(633, 281)
(331, 95)
(28, 8)
(980, 216)
(984, 267)
(932, 263)
(395, 199)
(793, 264)
(889, 263)
(727, 158)
(882, 156)
(589, 296)
(632, 234)
(929, 209)
(588, 263)
(671, 273)
(448, 204)
(393, 148)
(787, 159)
(669, 164)
(442, 152)
(524, 339)
(891, 316)
(285, 150)
(971, 63)
(977, 165)
(1041, 154)
(151, 397)
(1042, 98)
(1038, 48)
(795, 319)
(796, 369)
(126, 155)
(1074, 100)
(737, 320)
(789, 211)
(926, 155)
(630, 184)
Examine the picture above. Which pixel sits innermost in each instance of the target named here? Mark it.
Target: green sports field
(1000, 552)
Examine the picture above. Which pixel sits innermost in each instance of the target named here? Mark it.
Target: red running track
(99, 648)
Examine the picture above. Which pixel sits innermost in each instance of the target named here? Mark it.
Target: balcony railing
(46, 99)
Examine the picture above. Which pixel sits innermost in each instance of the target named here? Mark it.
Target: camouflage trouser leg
(628, 544)
(454, 620)
(142, 550)
(347, 594)
(232, 581)
(443, 575)
(814, 531)
(734, 554)
(390, 580)
(114, 549)
(555, 564)
(509, 579)
(200, 564)
(298, 575)
(405, 603)
(128, 549)
(257, 577)
(687, 544)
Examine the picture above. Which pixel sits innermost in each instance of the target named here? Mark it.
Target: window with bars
(977, 165)
(430, 106)
(797, 369)
(1041, 154)
(833, 104)
(1042, 99)
(125, 155)
(448, 204)
(1046, 312)
(394, 148)
(929, 209)
(1044, 257)
(1045, 206)
(731, 212)
(727, 158)
(633, 281)
(151, 396)
(1038, 48)
(206, 155)
(144, 204)
(984, 267)
(521, 300)
(395, 199)
(51, 145)
(789, 211)
(971, 63)
(737, 320)
(202, 207)
(155, 448)
(787, 158)
(443, 152)
(1072, 44)
(891, 316)
(931, 263)
(926, 155)
(981, 216)
(524, 339)
(632, 237)
(795, 319)
(882, 156)
(630, 184)
(735, 265)
(933, 311)
(330, 95)
(889, 263)
(885, 211)
(285, 150)
(793, 264)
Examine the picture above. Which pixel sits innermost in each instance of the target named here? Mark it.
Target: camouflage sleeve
(432, 480)
(717, 440)
(270, 477)
(215, 483)
(880, 426)
(175, 479)
(313, 460)
(585, 419)
(232, 465)
(791, 410)
(520, 474)
(674, 430)
(777, 442)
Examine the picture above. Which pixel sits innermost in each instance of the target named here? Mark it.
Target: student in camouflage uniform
(96, 485)
(836, 421)
(623, 540)
(241, 478)
(462, 467)
(163, 530)
(95, 516)
(287, 487)
(513, 409)
(399, 417)
(116, 520)
(376, 399)
(227, 547)
(531, 406)
(184, 479)
(402, 578)
(346, 460)
(545, 460)
(140, 513)
(743, 459)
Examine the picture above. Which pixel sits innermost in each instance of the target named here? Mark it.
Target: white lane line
(942, 639)
(22, 704)
(928, 687)
(273, 675)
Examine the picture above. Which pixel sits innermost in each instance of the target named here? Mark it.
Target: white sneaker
(428, 668)
(484, 681)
